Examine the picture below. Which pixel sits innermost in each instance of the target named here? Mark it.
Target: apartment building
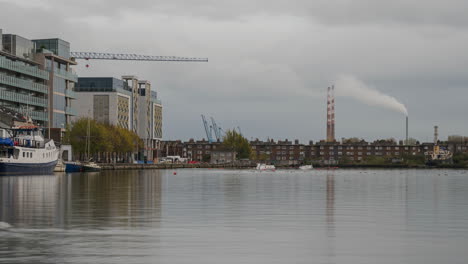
(37, 79)
(128, 103)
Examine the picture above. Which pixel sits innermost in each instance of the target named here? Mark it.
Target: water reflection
(224, 216)
(111, 198)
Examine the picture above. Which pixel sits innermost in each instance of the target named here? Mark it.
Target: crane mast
(207, 130)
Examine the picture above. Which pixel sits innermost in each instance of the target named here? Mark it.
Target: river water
(228, 216)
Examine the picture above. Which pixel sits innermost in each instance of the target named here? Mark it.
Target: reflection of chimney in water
(330, 205)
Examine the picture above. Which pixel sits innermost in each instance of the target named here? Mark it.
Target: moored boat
(265, 167)
(24, 151)
(306, 167)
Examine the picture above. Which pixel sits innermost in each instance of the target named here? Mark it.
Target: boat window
(24, 154)
(31, 155)
(16, 153)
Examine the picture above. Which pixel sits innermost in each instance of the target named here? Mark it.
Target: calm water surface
(225, 216)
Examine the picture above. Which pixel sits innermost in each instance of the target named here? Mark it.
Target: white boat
(24, 151)
(265, 167)
(306, 167)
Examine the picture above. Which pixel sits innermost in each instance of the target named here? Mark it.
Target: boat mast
(88, 142)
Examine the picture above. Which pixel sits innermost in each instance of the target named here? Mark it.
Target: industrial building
(37, 80)
(128, 103)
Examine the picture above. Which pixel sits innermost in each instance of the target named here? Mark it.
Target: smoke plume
(350, 86)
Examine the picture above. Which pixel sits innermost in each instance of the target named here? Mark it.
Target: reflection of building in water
(28, 199)
(119, 198)
(109, 198)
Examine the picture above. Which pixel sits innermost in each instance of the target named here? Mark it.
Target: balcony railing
(35, 115)
(20, 83)
(68, 75)
(70, 93)
(70, 111)
(22, 68)
(22, 98)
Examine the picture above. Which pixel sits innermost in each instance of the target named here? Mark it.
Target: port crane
(217, 130)
(207, 129)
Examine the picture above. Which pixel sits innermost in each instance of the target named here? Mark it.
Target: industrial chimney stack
(436, 135)
(331, 114)
(406, 143)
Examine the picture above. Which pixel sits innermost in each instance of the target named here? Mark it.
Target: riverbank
(130, 166)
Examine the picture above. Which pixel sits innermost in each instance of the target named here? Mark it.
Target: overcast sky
(271, 61)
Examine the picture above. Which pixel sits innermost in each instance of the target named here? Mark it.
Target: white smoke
(350, 86)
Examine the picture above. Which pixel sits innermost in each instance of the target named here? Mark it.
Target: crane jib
(112, 56)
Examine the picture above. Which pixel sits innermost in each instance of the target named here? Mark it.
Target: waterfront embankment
(132, 166)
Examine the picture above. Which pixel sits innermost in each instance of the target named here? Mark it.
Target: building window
(331, 147)
(254, 147)
(340, 153)
(321, 152)
(359, 153)
(368, 153)
(397, 148)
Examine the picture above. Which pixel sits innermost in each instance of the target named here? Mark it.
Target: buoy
(175, 173)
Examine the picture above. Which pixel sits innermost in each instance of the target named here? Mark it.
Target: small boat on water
(24, 151)
(306, 167)
(81, 166)
(265, 167)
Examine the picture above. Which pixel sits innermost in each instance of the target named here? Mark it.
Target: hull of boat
(73, 167)
(10, 168)
(90, 168)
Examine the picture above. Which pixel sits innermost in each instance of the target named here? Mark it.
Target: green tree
(236, 142)
(103, 138)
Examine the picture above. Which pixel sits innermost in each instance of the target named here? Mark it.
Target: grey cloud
(270, 61)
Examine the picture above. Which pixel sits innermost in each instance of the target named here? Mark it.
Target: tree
(236, 142)
(103, 138)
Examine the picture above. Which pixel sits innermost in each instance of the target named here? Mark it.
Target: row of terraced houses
(288, 152)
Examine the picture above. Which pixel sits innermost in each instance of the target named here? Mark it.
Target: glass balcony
(70, 93)
(35, 115)
(20, 83)
(22, 98)
(22, 68)
(70, 111)
(67, 75)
